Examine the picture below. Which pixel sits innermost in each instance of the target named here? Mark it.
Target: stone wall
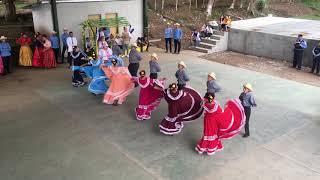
(267, 45)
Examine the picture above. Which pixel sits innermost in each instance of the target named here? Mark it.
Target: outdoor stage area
(50, 130)
(273, 37)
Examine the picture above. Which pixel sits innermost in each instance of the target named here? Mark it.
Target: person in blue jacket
(316, 59)
(5, 53)
(177, 37)
(299, 47)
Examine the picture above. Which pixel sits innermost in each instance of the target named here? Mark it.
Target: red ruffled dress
(49, 60)
(219, 125)
(210, 141)
(38, 54)
(184, 105)
(232, 120)
(149, 98)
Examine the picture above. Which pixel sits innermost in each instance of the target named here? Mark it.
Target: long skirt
(97, 84)
(1, 66)
(38, 57)
(149, 100)
(120, 86)
(187, 108)
(49, 60)
(210, 142)
(232, 120)
(25, 56)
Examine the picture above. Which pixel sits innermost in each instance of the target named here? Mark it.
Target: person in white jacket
(71, 43)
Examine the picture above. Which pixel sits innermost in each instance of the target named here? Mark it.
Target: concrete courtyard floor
(52, 131)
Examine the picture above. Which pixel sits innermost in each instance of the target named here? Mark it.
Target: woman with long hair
(49, 60)
(25, 55)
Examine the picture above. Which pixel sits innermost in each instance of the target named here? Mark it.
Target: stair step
(220, 33)
(206, 45)
(199, 49)
(216, 37)
(209, 41)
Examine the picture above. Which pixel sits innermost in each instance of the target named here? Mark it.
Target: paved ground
(52, 131)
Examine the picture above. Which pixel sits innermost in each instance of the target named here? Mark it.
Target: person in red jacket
(25, 55)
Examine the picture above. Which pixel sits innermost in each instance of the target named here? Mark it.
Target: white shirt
(209, 29)
(71, 42)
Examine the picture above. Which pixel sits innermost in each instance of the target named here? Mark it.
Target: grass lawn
(312, 3)
(315, 4)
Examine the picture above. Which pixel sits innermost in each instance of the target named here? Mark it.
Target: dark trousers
(63, 52)
(133, 69)
(177, 45)
(181, 86)
(247, 112)
(154, 75)
(6, 64)
(316, 65)
(69, 58)
(297, 58)
(168, 42)
(77, 78)
(56, 53)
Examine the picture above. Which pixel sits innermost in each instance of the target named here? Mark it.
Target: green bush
(261, 4)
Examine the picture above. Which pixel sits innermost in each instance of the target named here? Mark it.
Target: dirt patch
(273, 67)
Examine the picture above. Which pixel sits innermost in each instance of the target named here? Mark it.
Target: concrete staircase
(216, 43)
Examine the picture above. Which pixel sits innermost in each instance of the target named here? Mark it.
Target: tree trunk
(232, 5)
(196, 4)
(209, 7)
(162, 4)
(155, 4)
(177, 1)
(9, 10)
(241, 4)
(190, 4)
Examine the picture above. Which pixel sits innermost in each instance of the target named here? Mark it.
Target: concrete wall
(71, 15)
(267, 45)
(42, 18)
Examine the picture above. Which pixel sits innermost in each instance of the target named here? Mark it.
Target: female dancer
(25, 55)
(210, 142)
(183, 105)
(38, 52)
(1, 66)
(120, 86)
(150, 96)
(49, 60)
(97, 84)
(219, 125)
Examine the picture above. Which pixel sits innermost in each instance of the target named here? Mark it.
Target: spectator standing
(316, 59)
(71, 43)
(64, 37)
(126, 40)
(55, 44)
(299, 47)
(5, 52)
(177, 38)
(168, 35)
